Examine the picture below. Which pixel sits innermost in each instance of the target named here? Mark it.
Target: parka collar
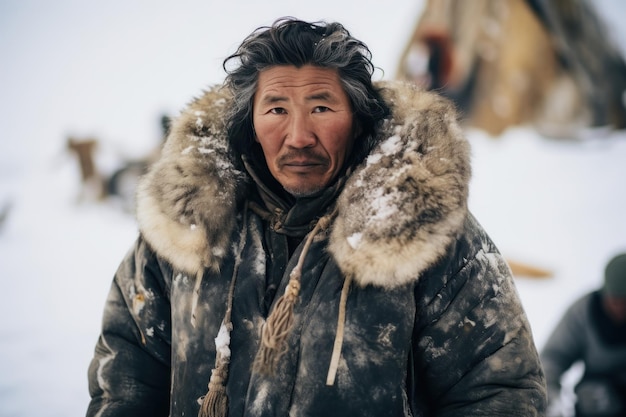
(397, 213)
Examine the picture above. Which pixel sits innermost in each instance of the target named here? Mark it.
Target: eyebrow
(269, 99)
(323, 96)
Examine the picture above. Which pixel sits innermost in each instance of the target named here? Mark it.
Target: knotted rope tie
(215, 402)
(276, 329)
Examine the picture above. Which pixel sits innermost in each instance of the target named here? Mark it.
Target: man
(306, 250)
(592, 330)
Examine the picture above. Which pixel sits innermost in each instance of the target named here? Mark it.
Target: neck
(292, 216)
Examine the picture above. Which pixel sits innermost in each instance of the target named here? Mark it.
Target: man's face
(304, 123)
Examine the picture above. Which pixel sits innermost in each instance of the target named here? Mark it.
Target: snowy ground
(111, 69)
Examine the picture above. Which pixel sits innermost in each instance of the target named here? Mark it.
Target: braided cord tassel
(215, 402)
(276, 329)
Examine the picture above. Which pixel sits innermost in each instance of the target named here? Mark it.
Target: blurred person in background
(592, 330)
(306, 249)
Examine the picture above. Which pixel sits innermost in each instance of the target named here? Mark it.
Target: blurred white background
(110, 69)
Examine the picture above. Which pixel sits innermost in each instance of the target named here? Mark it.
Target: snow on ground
(558, 205)
(109, 69)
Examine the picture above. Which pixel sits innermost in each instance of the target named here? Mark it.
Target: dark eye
(278, 110)
(320, 109)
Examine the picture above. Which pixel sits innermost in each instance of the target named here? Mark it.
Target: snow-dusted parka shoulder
(403, 307)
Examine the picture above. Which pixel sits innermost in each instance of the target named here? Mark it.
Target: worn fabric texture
(433, 322)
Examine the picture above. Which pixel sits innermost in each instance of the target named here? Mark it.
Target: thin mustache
(300, 155)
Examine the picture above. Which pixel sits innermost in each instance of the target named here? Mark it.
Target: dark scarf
(288, 215)
(287, 219)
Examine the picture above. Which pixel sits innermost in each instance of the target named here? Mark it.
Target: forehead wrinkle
(276, 87)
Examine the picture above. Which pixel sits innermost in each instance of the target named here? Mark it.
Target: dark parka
(586, 333)
(433, 323)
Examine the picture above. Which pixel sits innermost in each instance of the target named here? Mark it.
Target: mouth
(303, 161)
(304, 166)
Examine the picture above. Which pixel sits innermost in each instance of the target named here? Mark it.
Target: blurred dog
(92, 184)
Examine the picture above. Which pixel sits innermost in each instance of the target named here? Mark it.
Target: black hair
(290, 41)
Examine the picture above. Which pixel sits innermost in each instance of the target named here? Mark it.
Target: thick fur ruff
(186, 202)
(398, 213)
(402, 208)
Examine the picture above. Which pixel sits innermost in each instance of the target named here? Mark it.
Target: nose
(300, 133)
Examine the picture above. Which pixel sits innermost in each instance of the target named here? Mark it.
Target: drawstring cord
(196, 296)
(215, 402)
(275, 330)
(341, 320)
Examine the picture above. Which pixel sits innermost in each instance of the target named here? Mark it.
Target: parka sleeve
(129, 374)
(564, 346)
(474, 351)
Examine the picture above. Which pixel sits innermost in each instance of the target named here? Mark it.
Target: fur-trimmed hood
(397, 214)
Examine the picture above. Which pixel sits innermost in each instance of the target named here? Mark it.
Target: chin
(303, 191)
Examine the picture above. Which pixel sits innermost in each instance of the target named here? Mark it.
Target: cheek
(265, 136)
(342, 141)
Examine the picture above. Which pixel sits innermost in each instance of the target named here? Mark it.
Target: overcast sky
(110, 68)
